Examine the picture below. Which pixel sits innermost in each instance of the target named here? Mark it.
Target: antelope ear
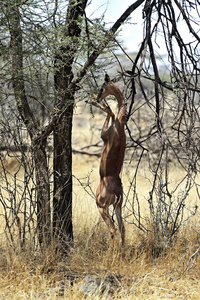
(107, 78)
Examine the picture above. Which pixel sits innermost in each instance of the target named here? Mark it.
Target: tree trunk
(62, 202)
(42, 192)
(38, 143)
(62, 217)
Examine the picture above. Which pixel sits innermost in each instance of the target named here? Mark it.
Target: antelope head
(108, 88)
(104, 91)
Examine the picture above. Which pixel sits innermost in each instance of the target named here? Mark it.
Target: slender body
(110, 191)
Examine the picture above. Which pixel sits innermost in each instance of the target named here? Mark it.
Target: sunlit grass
(32, 274)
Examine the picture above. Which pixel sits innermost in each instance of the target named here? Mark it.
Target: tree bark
(43, 191)
(62, 201)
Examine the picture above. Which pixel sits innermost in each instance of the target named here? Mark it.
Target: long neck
(121, 102)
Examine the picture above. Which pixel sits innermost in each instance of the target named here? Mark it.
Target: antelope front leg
(103, 107)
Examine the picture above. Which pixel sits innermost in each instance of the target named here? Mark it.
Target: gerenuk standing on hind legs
(110, 191)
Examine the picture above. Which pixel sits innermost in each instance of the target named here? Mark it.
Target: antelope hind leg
(120, 222)
(109, 222)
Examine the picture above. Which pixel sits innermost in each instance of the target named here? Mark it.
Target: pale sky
(113, 9)
(132, 35)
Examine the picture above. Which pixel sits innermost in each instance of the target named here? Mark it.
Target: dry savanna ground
(33, 274)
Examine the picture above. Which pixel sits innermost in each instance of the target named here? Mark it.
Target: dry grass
(46, 275)
(33, 274)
